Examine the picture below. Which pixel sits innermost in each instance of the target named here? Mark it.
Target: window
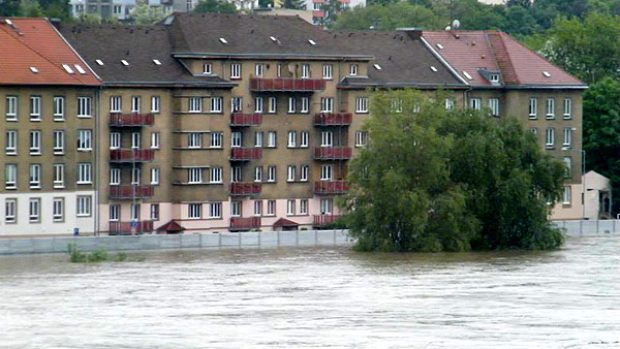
(290, 173)
(271, 139)
(59, 176)
(194, 140)
(272, 104)
(10, 176)
(304, 139)
(326, 172)
(533, 108)
(84, 107)
(136, 175)
(303, 206)
(291, 105)
(292, 139)
(353, 69)
(194, 175)
(258, 104)
(134, 211)
(550, 137)
(217, 104)
(236, 174)
(136, 140)
(327, 71)
(326, 206)
(155, 176)
(194, 211)
(568, 108)
(85, 140)
(397, 105)
(327, 104)
(59, 108)
(115, 213)
(235, 71)
(58, 209)
(59, 142)
(259, 69)
(449, 104)
(11, 142)
(475, 103)
(10, 210)
(35, 108)
(155, 102)
(236, 104)
(271, 174)
(258, 174)
(154, 140)
(258, 207)
(258, 139)
(550, 108)
(154, 212)
(84, 205)
(217, 138)
(494, 106)
(35, 176)
(115, 176)
(271, 207)
(115, 104)
(290, 207)
(305, 71)
(84, 173)
(361, 138)
(35, 142)
(568, 162)
(534, 130)
(207, 68)
(215, 210)
(11, 108)
(566, 195)
(235, 208)
(305, 172)
(305, 105)
(215, 175)
(115, 140)
(34, 210)
(568, 137)
(136, 104)
(195, 104)
(236, 139)
(361, 105)
(327, 138)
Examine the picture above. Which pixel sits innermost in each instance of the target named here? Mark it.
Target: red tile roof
(34, 42)
(472, 51)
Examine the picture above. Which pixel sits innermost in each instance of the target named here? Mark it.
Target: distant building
(121, 9)
(303, 14)
(316, 6)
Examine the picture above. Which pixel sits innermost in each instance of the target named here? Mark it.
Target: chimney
(56, 23)
(412, 33)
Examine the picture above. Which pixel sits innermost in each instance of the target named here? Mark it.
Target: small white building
(592, 199)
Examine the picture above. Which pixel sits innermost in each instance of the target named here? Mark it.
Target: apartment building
(48, 99)
(121, 9)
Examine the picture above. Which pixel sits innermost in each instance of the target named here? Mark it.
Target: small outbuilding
(171, 227)
(285, 224)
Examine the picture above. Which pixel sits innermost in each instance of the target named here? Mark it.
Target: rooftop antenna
(456, 24)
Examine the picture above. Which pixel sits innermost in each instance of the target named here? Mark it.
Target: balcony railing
(330, 187)
(240, 224)
(332, 153)
(245, 154)
(241, 119)
(131, 120)
(130, 228)
(323, 220)
(333, 119)
(286, 84)
(245, 188)
(131, 191)
(131, 155)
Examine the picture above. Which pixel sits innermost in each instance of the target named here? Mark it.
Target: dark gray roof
(139, 46)
(404, 61)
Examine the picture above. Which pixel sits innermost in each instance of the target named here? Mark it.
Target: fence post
(259, 239)
(219, 241)
(581, 227)
(334, 235)
(614, 227)
(597, 226)
(278, 237)
(316, 238)
(239, 235)
(296, 237)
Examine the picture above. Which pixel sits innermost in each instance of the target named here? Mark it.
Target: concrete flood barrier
(575, 228)
(216, 241)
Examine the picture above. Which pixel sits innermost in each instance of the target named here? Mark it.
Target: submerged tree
(437, 180)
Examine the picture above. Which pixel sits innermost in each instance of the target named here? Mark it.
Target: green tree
(389, 17)
(55, 8)
(218, 6)
(9, 8)
(435, 180)
(31, 8)
(143, 14)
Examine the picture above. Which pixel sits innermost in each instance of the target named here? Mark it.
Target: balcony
(333, 119)
(240, 119)
(244, 224)
(286, 85)
(324, 220)
(131, 155)
(124, 192)
(330, 187)
(244, 189)
(245, 154)
(332, 153)
(131, 120)
(125, 228)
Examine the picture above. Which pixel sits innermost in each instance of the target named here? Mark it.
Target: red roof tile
(34, 42)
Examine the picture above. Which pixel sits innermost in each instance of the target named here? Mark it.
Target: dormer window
(207, 68)
(353, 69)
(494, 77)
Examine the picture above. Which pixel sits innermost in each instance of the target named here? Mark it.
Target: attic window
(312, 42)
(494, 77)
(439, 46)
(100, 62)
(433, 68)
(80, 69)
(34, 70)
(68, 69)
(378, 67)
(546, 74)
(124, 62)
(223, 41)
(157, 62)
(467, 75)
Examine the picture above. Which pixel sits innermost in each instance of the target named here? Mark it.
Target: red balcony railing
(333, 153)
(133, 119)
(240, 119)
(131, 191)
(318, 13)
(131, 155)
(330, 187)
(238, 223)
(245, 154)
(323, 220)
(129, 228)
(333, 119)
(286, 84)
(245, 188)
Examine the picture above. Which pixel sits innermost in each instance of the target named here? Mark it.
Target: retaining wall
(589, 227)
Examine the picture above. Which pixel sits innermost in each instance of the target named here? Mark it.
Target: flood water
(317, 298)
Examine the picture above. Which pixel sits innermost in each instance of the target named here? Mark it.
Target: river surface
(317, 298)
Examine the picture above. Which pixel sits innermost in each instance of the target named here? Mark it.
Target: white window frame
(84, 206)
(84, 107)
(155, 104)
(194, 175)
(258, 139)
(304, 139)
(305, 105)
(217, 105)
(85, 173)
(115, 213)
(271, 208)
(550, 137)
(259, 104)
(327, 172)
(494, 106)
(35, 142)
(11, 142)
(258, 208)
(533, 108)
(361, 105)
(567, 195)
(292, 139)
(272, 139)
(258, 174)
(328, 71)
(136, 104)
(35, 108)
(194, 211)
(115, 140)
(305, 71)
(272, 174)
(475, 103)
(115, 176)
(235, 71)
(194, 140)
(59, 176)
(291, 105)
(155, 140)
(155, 174)
(304, 173)
(116, 104)
(34, 210)
(290, 207)
(568, 137)
(194, 104)
(85, 140)
(353, 69)
(272, 105)
(216, 140)
(361, 138)
(58, 209)
(216, 175)
(550, 108)
(327, 104)
(10, 211)
(215, 210)
(259, 70)
(291, 173)
(34, 178)
(59, 108)
(303, 206)
(12, 107)
(236, 139)
(10, 176)
(567, 108)
(58, 139)
(327, 139)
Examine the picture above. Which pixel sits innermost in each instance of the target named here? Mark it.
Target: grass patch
(98, 255)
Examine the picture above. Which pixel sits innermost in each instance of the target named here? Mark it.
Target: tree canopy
(437, 180)
(219, 6)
